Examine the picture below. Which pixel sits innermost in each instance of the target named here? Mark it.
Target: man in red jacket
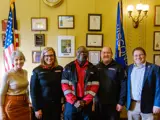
(80, 85)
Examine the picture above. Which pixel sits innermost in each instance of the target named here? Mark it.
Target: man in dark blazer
(143, 87)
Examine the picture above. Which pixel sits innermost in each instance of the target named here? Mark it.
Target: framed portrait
(94, 40)
(39, 40)
(94, 22)
(157, 15)
(65, 21)
(94, 56)
(39, 24)
(4, 24)
(156, 59)
(16, 39)
(66, 46)
(36, 56)
(156, 41)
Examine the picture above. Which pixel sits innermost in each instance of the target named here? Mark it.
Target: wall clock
(53, 3)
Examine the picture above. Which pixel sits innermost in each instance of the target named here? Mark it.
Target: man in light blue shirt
(143, 91)
(137, 76)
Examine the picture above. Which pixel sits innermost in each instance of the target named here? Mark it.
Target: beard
(82, 58)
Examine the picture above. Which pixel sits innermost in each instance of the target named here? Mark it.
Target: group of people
(78, 86)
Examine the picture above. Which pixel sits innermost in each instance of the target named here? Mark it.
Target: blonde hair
(17, 53)
(46, 50)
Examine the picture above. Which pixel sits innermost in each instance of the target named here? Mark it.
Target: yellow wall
(143, 36)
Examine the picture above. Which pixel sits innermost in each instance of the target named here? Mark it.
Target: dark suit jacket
(151, 88)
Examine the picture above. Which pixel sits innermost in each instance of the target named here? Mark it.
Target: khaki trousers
(135, 113)
(17, 107)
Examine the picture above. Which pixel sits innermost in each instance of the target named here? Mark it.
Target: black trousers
(51, 111)
(107, 112)
(72, 113)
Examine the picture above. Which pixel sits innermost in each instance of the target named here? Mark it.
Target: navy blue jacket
(112, 88)
(151, 88)
(45, 86)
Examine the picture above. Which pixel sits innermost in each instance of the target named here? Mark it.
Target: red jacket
(70, 80)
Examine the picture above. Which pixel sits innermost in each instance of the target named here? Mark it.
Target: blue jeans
(73, 113)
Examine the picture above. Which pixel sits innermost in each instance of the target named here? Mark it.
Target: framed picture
(94, 56)
(65, 21)
(94, 22)
(157, 15)
(156, 59)
(156, 41)
(94, 40)
(39, 40)
(39, 24)
(66, 46)
(16, 39)
(4, 24)
(36, 56)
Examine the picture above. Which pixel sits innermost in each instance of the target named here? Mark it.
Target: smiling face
(49, 58)
(106, 55)
(18, 62)
(139, 57)
(82, 54)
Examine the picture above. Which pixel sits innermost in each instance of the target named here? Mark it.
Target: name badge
(57, 70)
(111, 69)
(42, 72)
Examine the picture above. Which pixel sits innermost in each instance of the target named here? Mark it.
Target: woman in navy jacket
(45, 87)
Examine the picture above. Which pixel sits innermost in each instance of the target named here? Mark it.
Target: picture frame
(4, 25)
(66, 21)
(16, 39)
(94, 40)
(94, 22)
(94, 56)
(39, 24)
(157, 15)
(66, 46)
(156, 41)
(3, 39)
(39, 40)
(156, 59)
(36, 56)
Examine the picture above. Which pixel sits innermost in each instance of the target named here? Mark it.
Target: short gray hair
(17, 53)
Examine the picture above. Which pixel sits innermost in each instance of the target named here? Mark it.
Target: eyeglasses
(47, 56)
(140, 55)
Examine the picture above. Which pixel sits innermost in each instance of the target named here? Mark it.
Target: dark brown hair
(140, 49)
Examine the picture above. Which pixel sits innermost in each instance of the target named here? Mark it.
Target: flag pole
(12, 9)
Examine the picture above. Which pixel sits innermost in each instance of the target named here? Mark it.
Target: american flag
(10, 36)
